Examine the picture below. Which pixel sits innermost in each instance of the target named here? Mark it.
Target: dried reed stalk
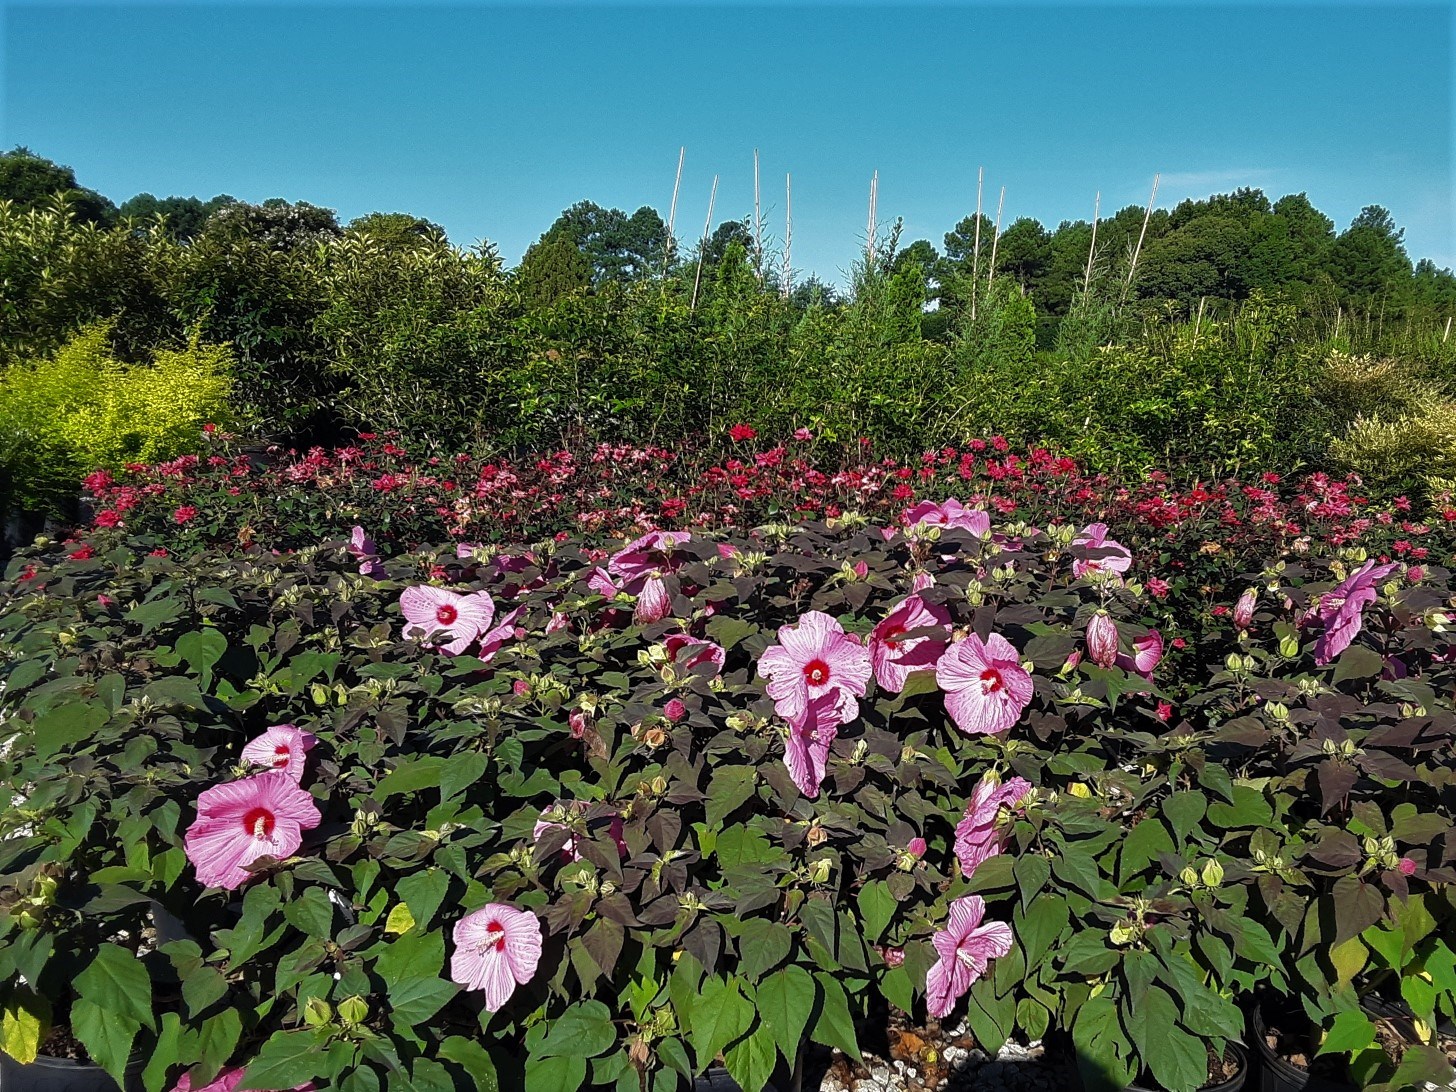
(788, 230)
(1092, 250)
(757, 223)
(976, 250)
(703, 246)
(672, 211)
(1147, 215)
(995, 238)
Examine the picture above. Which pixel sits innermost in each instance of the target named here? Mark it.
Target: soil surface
(60, 1043)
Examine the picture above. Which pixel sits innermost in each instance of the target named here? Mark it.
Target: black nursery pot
(1279, 1075)
(64, 1075)
(1233, 1084)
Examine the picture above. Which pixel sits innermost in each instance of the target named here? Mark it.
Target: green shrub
(82, 410)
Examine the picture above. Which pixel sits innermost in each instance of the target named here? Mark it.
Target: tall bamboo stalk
(976, 250)
(703, 246)
(995, 238)
(1092, 250)
(757, 222)
(1147, 215)
(672, 211)
(788, 230)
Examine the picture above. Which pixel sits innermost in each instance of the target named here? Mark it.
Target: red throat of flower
(446, 614)
(259, 823)
(495, 936)
(893, 635)
(280, 755)
(817, 672)
(991, 681)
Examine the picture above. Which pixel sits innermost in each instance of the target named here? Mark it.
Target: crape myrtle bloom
(966, 947)
(496, 948)
(986, 688)
(894, 656)
(1113, 557)
(980, 834)
(1342, 610)
(815, 660)
(282, 747)
(448, 621)
(237, 823)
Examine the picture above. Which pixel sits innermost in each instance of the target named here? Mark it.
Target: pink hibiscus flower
(639, 569)
(1342, 610)
(1110, 557)
(986, 688)
(281, 747)
(363, 550)
(980, 834)
(1102, 639)
(1147, 653)
(688, 652)
(806, 750)
(446, 620)
(226, 1081)
(815, 659)
(949, 514)
(966, 948)
(552, 819)
(894, 656)
(261, 816)
(496, 948)
(492, 640)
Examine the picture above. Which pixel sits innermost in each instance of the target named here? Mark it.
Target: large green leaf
(288, 1059)
(117, 981)
(751, 1060)
(584, 1029)
(107, 1036)
(720, 1015)
(785, 1002)
(834, 1026)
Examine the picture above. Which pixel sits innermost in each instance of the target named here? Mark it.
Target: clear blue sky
(490, 119)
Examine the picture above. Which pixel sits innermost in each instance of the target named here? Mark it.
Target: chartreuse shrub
(734, 789)
(81, 409)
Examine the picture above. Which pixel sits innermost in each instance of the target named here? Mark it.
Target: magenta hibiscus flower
(966, 948)
(226, 1081)
(1102, 639)
(446, 620)
(363, 549)
(237, 823)
(553, 818)
(806, 751)
(814, 660)
(986, 688)
(980, 834)
(281, 747)
(950, 514)
(1342, 610)
(496, 948)
(639, 569)
(688, 652)
(894, 656)
(1111, 555)
(1244, 608)
(1147, 653)
(492, 640)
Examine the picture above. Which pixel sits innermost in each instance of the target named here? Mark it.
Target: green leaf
(557, 1074)
(720, 1015)
(473, 1058)
(584, 1029)
(876, 908)
(1032, 872)
(462, 771)
(1352, 1030)
(218, 1038)
(412, 1001)
(288, 1059)
(751, 1060)
(1041, 925)
(762, 945)
(202, 649)
(62, 727)
(730, 788)
(834, 1026)
(413, 955)
(785, 1001)
(1179, 1061)
(1141, 847)
(1358, 662)
(107, 1036)
(1184, 811)
(411, 775)
(117, 981)
(311, 912)
(423, 892)
(166, 1054)
(24, 1022)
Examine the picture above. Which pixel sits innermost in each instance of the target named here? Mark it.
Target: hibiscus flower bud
(1244, 608)
(675, 710)
(1406, 866)
(1102, 639)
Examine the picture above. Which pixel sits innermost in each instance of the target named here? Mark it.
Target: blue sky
(490, 119)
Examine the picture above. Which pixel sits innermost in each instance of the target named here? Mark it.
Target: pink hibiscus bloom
(949, 514)
(492, 640)
(1112, 556)
(639, 569)
(1342, 610)
(551, 820)
(986, 688)
(1102, 639)
(895, 657)
(688, 652)
(966, 948)
(806, 751)
(261, 816)
(363, 550)
(496, 947)
(282, 747)
(1147, 653)
(814, 660)
(446, 620)
(226, 1081)
(979, 835)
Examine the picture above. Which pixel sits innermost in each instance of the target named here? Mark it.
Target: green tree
(619, 247)
(1368, 259)
(551, 268)
(30, 181)
(183, 217)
